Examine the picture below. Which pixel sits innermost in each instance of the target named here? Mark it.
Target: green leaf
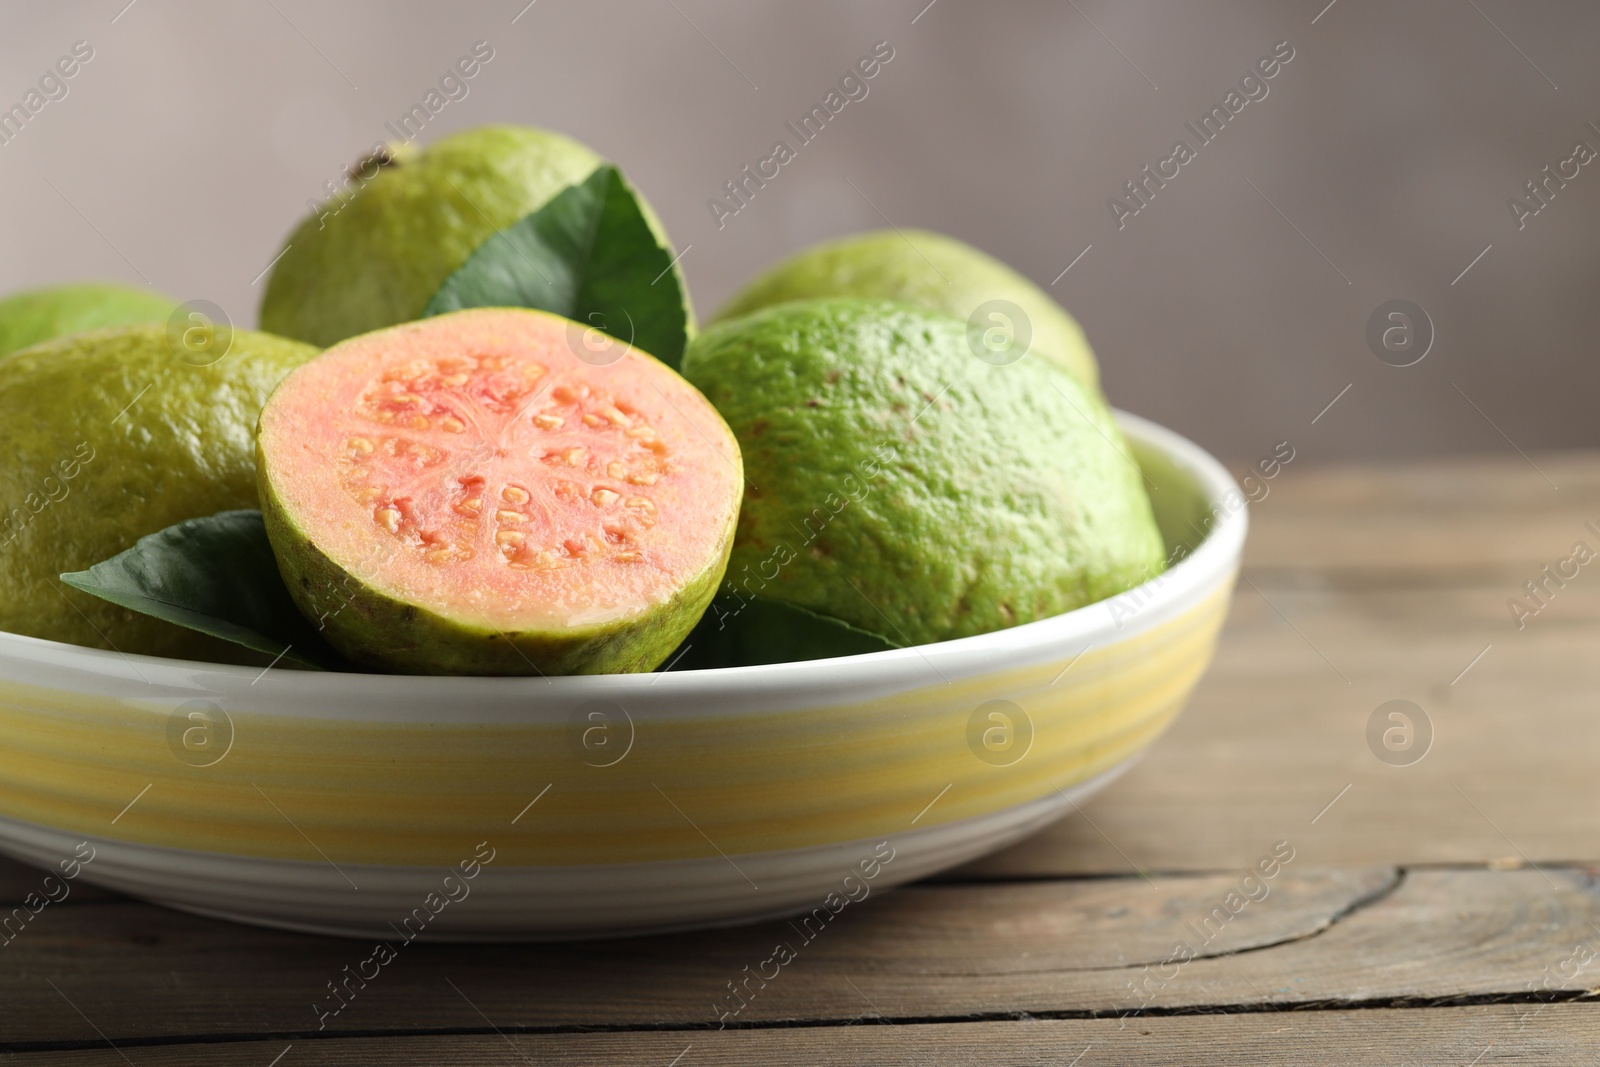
(217, 575)
(743, 633)
(589, 255)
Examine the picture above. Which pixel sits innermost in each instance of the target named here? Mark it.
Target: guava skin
(929, 270)
(901, 484)
(38, 315)
(378, 259)
(90, 469)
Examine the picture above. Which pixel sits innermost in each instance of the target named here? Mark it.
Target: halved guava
(498, 491)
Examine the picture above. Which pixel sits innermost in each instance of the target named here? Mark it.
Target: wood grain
(1426, 518)
(929, 953)
(18, 880)
(1551, 1035)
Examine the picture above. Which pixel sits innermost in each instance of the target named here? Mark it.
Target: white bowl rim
(419, 698)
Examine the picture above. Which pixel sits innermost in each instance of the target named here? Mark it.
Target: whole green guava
(36, 315)
(375, 258)
(111, 435)
(903, 484)
(933, 271)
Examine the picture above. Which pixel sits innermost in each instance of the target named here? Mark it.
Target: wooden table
(1441, 912)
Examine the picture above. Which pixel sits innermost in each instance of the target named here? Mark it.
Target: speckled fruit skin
(89, 470)
(39, 315)
(379, 259)
(901, 484)
(377, 629)
(929, 270)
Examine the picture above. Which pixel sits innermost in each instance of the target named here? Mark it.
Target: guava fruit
(36, 315)
(497, 491)
(111, 435)
(901, 484)
(933, 271)
(376, 257)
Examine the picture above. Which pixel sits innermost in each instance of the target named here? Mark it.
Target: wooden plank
(18, 881)
(925, 954)
(1435, 516)
(1557, 1035)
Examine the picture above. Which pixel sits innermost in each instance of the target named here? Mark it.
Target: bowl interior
(1185, 505)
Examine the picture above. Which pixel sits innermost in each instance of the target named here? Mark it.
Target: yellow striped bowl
(489, 808)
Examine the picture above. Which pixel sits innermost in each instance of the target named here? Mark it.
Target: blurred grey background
(1233, 307)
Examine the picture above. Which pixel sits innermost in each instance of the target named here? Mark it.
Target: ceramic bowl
(527, 808)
